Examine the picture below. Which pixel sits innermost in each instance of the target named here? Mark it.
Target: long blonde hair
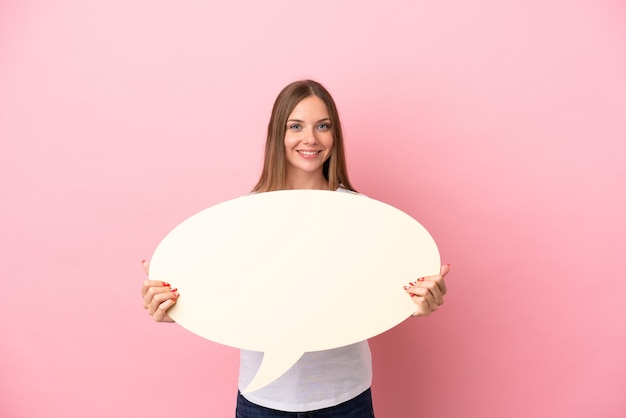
(274, 167)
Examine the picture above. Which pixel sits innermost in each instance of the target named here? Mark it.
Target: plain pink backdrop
(499, 125)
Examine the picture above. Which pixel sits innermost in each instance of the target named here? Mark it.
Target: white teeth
(309, 152)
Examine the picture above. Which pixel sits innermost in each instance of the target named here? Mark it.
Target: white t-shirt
(319, 379)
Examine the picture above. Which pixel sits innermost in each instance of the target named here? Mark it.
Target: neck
(317, 182)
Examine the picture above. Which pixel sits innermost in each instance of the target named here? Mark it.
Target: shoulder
(344, 190)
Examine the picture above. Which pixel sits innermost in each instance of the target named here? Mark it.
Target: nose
(311, 137)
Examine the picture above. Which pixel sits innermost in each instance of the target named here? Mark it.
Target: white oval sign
(290, 272)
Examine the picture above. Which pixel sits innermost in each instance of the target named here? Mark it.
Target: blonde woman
(305, 150)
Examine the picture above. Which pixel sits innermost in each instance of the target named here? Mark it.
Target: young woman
(304, 150)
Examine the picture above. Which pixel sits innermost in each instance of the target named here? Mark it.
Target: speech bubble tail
(274, 365)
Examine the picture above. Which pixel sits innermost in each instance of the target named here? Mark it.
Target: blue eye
(323, 126)
(295, 126)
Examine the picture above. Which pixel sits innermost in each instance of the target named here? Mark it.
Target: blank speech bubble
(289, 272)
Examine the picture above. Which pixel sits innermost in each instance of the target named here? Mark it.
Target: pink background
(499, 125)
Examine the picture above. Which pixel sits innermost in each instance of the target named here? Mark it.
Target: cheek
(289, 141)
(330, 142)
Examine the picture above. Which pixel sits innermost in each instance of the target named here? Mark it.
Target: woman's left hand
(427, 292)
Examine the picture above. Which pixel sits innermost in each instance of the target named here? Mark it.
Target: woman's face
(308, 138)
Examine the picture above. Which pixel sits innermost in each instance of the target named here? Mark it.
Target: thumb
(146, 266)
(445, 269)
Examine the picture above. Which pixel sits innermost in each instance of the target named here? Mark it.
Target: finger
(159, 298)
(438, 286)
(434, 288)
(161, 313)
(432, 285)
(442, 285)
(439, 279)
(160, 304)
(155, 292)
(148, 284)
(146, 266)
(445, 269)
(419, 293)
(423, 308)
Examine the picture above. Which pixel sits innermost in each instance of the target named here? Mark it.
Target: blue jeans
(358, 407)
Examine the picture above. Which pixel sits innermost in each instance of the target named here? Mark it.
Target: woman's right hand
(158, 297)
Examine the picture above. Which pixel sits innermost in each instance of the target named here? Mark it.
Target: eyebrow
(301, 121)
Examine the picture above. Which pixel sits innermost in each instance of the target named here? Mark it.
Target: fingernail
(421, 279)
(406, 287)
(449, 265)
(143, 262)
(166, 284)
(412, 283)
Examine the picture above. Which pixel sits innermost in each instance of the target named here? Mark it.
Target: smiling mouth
(309, 153)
